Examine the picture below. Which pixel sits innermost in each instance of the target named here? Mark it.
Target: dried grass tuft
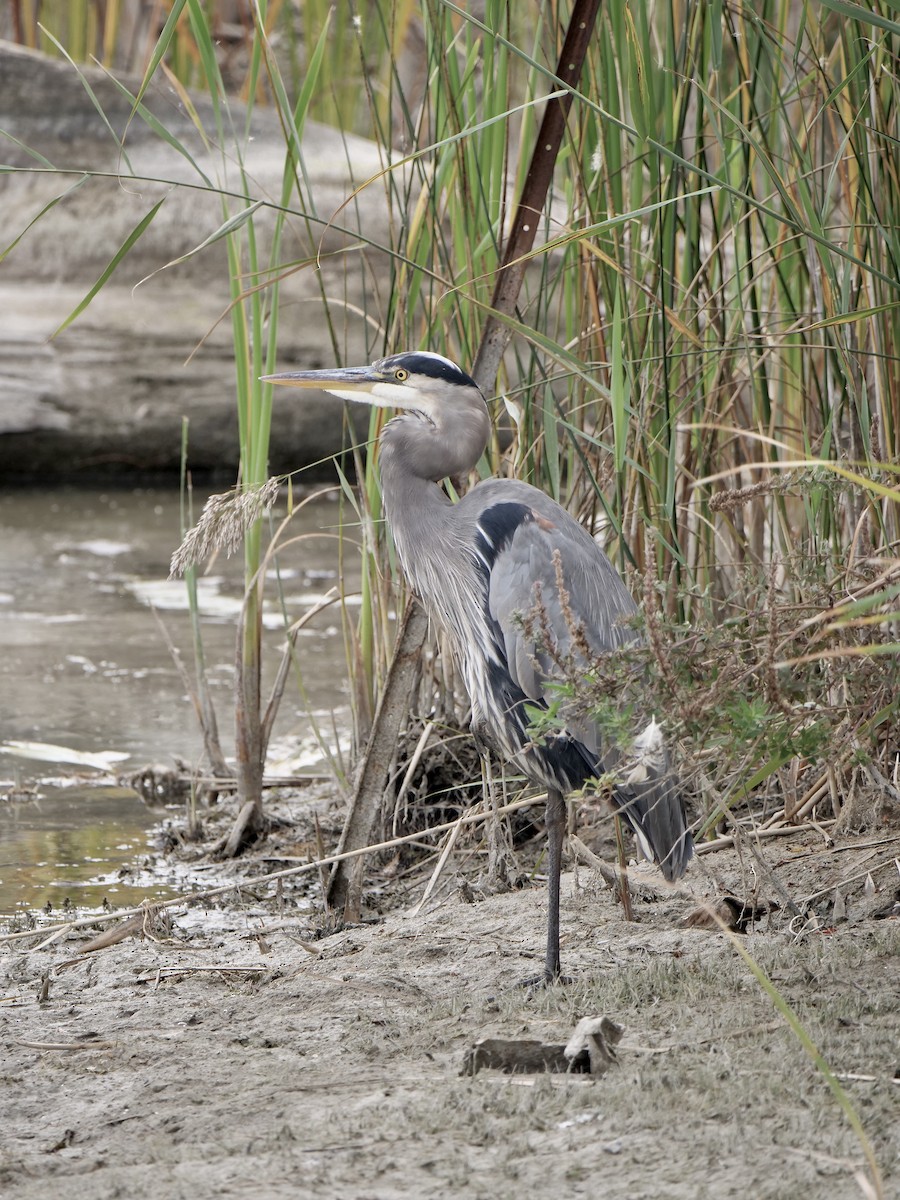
(223, 524)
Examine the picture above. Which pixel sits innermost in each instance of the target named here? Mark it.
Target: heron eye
(401, 374)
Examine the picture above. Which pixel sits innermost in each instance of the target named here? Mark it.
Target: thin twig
(167, 972)
(439, 868)
(850, 879)
(67, 1045)
(414, 761)
(612, 877)
(724, 843)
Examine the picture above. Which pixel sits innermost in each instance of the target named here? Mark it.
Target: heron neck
(409, 496)
(414, 455)
(420, 517)
(441, 445)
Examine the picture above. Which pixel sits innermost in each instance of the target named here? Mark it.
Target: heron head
(418, 381)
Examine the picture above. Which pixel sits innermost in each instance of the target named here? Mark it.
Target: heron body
(514, 581)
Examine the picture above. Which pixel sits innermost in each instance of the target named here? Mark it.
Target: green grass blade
(73, 187)
(110, 267)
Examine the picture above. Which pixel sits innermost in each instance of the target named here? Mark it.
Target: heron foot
(532, 985)
(535, 983)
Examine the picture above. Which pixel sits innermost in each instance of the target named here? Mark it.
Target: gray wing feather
(524, 576)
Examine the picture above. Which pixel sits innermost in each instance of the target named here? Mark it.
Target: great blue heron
(503, 562)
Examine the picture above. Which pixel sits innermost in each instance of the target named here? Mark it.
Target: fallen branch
(725, 843)
(344, 891)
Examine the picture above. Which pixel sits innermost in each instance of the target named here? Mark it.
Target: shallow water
(85, 670)
(76, 846)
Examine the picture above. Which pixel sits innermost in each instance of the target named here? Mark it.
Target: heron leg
(501, 870)
(556, 830)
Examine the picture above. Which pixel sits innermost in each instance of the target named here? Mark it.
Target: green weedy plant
(254, 317)
(254, 258)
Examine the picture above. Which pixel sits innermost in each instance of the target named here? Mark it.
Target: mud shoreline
(234, 1049)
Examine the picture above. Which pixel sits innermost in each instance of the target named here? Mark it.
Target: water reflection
(75, 846)
(84, 665)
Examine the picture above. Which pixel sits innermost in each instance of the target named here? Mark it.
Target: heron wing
(549, 582)
(548, 586)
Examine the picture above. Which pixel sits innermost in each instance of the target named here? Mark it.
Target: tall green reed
(254, 257)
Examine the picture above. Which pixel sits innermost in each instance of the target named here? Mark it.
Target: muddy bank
(235, 1049)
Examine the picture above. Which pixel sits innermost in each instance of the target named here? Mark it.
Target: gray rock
(106, 397)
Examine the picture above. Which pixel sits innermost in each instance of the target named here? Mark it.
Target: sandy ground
(230, 1054)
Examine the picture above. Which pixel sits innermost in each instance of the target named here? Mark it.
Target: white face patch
(397, 395)
(402, 396)
(381, 395)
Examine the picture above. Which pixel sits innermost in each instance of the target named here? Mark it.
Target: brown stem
(534, 196)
